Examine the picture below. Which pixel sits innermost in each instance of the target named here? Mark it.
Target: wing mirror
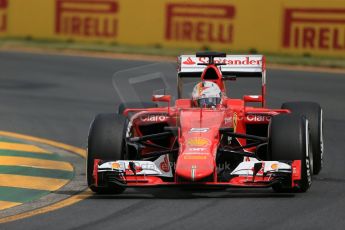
(161, 98)
(252, 98)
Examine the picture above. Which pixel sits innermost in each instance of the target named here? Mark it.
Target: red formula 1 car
(229, 144)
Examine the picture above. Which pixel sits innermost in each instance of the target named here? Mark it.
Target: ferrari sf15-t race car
(228, 144)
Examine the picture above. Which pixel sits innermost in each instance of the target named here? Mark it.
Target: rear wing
(235, 65)
(192, 66)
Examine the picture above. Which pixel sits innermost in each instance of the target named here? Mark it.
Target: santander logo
(246, 61)
(189, 61)
(229, 61)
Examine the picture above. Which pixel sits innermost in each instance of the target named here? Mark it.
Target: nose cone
(194, 167)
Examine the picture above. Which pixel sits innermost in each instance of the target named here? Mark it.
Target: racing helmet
(206, 94)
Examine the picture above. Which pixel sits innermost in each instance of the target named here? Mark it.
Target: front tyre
(313, 113)
(105, 142)
(288, 141)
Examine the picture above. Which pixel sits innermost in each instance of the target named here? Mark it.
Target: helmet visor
(208, 102)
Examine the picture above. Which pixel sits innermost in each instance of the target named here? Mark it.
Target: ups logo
(211, 23)
(314, 29)
(87, 18)
(3, 15)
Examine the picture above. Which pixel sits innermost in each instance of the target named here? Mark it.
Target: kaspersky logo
(189, 61)
(3, 15)
(87, 18)
(211, 23)
(314, 29)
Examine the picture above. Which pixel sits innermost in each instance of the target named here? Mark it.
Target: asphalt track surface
(56, 97)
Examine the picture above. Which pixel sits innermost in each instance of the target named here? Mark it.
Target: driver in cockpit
(206, 94)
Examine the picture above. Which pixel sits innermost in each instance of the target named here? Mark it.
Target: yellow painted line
(35, 163)
(63, 146)
(7, 204)
(31, 182)
(22, 147)
(64, 203)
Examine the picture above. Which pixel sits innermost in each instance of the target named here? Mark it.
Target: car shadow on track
(161, 193)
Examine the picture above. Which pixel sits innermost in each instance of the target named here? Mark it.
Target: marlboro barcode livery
(210, 139)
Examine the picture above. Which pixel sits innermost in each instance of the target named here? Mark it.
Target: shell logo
(274, 166)
(194, 157)
(115, 165)
(198, 142)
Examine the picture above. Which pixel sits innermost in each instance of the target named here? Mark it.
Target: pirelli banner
(3, 17)
(315, 27)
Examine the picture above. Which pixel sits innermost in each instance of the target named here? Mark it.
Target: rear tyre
(105, 142)
(289, 140)
(313, 112)
(135, 105)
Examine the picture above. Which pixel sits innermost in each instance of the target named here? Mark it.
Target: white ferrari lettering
(198, 130)
(196, 149)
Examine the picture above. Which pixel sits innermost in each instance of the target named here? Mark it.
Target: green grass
(52, 156)
(20, 194)
(36, 172)
(306, 60)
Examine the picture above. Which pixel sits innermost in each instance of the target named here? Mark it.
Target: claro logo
(258, 118)
(87, 18)
(200, 23)
(154, 118)
(3, 15)
(314, 29)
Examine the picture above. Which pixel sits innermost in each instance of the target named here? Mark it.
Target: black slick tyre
(313, 113)
(105, 142)
(288, 141)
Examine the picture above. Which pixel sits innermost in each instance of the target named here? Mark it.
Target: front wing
(154, 174)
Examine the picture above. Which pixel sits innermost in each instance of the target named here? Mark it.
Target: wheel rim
(321, 137)
(308, 159)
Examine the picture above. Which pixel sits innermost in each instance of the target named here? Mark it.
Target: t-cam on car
(209, 140)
